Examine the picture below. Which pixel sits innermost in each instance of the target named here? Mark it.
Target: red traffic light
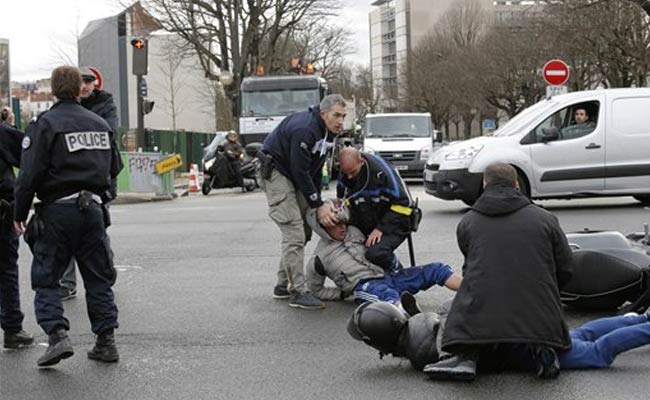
(138, 43)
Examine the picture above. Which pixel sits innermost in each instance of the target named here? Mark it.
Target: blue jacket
(299, 147)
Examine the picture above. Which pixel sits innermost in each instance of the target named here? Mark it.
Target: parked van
(404, 139)
(556, 151)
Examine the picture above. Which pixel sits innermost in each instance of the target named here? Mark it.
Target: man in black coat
(508, 306)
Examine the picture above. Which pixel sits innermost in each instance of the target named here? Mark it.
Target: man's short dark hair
(500, 174)
(66, 82)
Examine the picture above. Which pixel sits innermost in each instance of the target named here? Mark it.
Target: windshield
(398, 126)
(211, 149)
(514, 125)
(278, 102)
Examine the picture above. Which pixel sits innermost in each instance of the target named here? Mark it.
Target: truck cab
(404, 139)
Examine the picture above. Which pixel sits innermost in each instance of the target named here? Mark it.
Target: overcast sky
(42, 32)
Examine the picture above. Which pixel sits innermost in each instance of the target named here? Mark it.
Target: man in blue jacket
(294, 154)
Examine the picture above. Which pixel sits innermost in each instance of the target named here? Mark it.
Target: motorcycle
(218, 172)
(610, 271)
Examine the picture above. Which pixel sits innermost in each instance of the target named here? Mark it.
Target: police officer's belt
(73, 198)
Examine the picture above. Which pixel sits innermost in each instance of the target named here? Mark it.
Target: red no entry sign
(556, 72)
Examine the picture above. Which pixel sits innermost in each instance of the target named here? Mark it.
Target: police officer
(380, 204)
(69, 159)
(101, 103)
(11, 317)
(292, 163)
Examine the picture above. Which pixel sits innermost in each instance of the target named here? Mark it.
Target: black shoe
(59, 348)
(67, 294)
(548, 365)
(281, 292)
(409, 304)
(104, 350)
(305, 301)
(18, 340)
(456, 368)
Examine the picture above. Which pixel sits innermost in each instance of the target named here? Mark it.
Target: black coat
(101, 103)
(516, 257)
(10, 142)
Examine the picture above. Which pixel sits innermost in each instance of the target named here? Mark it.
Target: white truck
(404, 139)
(556, 154)
(264, 101)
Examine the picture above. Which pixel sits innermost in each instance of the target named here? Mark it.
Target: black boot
(59, 348)
(18, 340)
(104, 350)
(456, 368)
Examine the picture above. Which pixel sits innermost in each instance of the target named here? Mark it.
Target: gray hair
(330, 100)
(500, 174)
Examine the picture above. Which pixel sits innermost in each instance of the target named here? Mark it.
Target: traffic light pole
(140, 142)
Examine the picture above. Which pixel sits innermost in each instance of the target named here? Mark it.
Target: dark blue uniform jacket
(66, 150)
(299, 146)
(10, 139)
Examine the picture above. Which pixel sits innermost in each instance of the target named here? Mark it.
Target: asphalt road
(198, 320)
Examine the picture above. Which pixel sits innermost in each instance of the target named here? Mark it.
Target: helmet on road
(378, 325)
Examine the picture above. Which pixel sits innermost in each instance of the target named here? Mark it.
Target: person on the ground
(11, 316)
(516, 258)
(69, 159)
(292, 160)
(339, 255)
(100, 102)
(235, 151)
(380, 204)
(583, 125)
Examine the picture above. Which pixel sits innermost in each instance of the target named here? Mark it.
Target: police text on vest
(87, 141)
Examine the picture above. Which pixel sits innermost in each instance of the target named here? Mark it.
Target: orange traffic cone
(194, 178)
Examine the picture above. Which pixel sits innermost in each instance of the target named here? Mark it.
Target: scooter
(610, 271)
(218, 172)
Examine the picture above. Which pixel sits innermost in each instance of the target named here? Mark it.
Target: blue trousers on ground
(72, 232)
(11, 317)
(597, 343)
(410, 280)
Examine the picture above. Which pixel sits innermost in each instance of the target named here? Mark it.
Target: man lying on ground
(340, 256)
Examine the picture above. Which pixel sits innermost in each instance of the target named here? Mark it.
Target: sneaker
(455, 368)
(59, 348)
(104, 349)
(548, 365)
(18, 340)
(281, 292)
(67, 294)
(306, 301)
(409, 304)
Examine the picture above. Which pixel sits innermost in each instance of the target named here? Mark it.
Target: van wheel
(469, 202)
(524, 187)
(643, 198)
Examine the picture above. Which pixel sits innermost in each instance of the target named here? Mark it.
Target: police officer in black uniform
(11, 317)
(69, 159)
(380, 204)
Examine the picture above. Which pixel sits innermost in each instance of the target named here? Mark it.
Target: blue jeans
(597, 343)
(410, 280)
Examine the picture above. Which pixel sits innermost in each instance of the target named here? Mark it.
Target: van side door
(627, 150)
(568, 151)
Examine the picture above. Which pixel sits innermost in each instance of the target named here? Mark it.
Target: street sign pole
(140, 130)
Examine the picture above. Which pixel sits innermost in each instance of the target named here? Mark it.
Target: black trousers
(11, 317)
(72, 232)
(236, 169)
(382, 253)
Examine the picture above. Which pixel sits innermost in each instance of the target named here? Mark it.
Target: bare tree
(228, 34)
(172, 55)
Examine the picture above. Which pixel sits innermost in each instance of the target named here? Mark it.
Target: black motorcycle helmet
(378, 325)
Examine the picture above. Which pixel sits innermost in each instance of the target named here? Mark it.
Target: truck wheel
(643, 198)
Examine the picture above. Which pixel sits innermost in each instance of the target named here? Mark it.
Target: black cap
(87, 74)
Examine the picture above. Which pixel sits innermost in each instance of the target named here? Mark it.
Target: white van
(554, 155)
(403, 139)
